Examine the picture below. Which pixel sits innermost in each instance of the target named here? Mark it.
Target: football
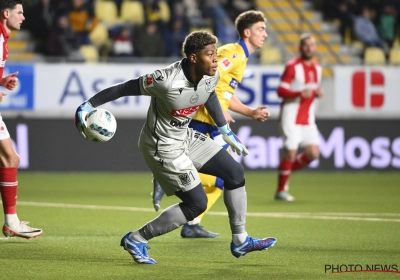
(101, 125)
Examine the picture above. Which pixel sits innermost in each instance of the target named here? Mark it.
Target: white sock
(238, 239)
(195, 221)
(137, 237)
(11, 219)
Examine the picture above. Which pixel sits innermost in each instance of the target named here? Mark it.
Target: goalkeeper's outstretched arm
(114, 92)
(127, 88)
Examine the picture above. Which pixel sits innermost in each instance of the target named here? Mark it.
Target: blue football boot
(138, 250)
(252, 244)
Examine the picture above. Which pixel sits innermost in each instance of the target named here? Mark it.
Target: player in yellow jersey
(232, 61)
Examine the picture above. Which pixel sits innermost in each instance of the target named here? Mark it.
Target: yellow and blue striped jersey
(232, 61)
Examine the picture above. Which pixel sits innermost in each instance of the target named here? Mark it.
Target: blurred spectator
(122, 43)
(152, 12)
(149, 41)
(339, 9)
(82, 21)
(178, 28)
(40, 22)
(387, 25)
(365, 31)
(193, 12)
(345, 14)
(223, 27)
(61, 40)
(235, 7)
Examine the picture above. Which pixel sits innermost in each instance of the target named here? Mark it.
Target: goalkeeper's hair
(9, 4)
(196, 41)
(246, 20)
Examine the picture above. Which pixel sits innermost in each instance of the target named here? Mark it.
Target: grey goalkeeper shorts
(176, 169)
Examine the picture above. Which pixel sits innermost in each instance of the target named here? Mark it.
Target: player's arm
(284, 90)
(128, 88)
(214, 109)
(258, 114)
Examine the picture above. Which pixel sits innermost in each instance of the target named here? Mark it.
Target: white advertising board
(59, 89)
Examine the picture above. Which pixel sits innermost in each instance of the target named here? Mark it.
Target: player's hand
(260, 114)
(319, 93)
(228, 117)
(1, 96)
(10, 81)
(80, 116)
(307, 93)
(232, 140)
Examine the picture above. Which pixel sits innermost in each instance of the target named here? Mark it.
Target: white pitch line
(290, 215)
(82, 206)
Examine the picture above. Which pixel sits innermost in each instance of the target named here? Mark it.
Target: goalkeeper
(175, 153)
(232, 60)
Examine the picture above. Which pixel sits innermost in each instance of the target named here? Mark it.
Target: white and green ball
(101, 125)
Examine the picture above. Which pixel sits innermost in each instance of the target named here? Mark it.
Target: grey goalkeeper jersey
(174, 101)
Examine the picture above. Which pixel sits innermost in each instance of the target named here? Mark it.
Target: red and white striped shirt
(3, 48)
(297, 77)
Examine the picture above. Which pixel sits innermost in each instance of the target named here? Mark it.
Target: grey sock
(170, 219)
(236, 204)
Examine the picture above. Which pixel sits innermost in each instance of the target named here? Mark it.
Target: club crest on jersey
(185, 111)
(225, 63)
(208, 84)
(148, 81)
(233, 83)
(194, 98)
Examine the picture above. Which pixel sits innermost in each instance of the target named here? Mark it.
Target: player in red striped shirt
(300, 85)
(11, 18)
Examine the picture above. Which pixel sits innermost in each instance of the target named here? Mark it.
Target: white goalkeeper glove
(80, 116)
(232, 140)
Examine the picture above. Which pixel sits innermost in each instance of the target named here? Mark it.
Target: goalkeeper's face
(207, 61)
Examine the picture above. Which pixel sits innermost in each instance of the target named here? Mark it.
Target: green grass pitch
(337, 218)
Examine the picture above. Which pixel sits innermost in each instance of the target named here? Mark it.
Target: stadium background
(346, 210)
(358, 117)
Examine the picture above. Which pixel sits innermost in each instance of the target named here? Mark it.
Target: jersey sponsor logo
(225, 63)
(185, 111)
(148, 81)
(179, 84)
(233, 83)
(2, 63)
(208, 84)
(194, 98)
(175, 123)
